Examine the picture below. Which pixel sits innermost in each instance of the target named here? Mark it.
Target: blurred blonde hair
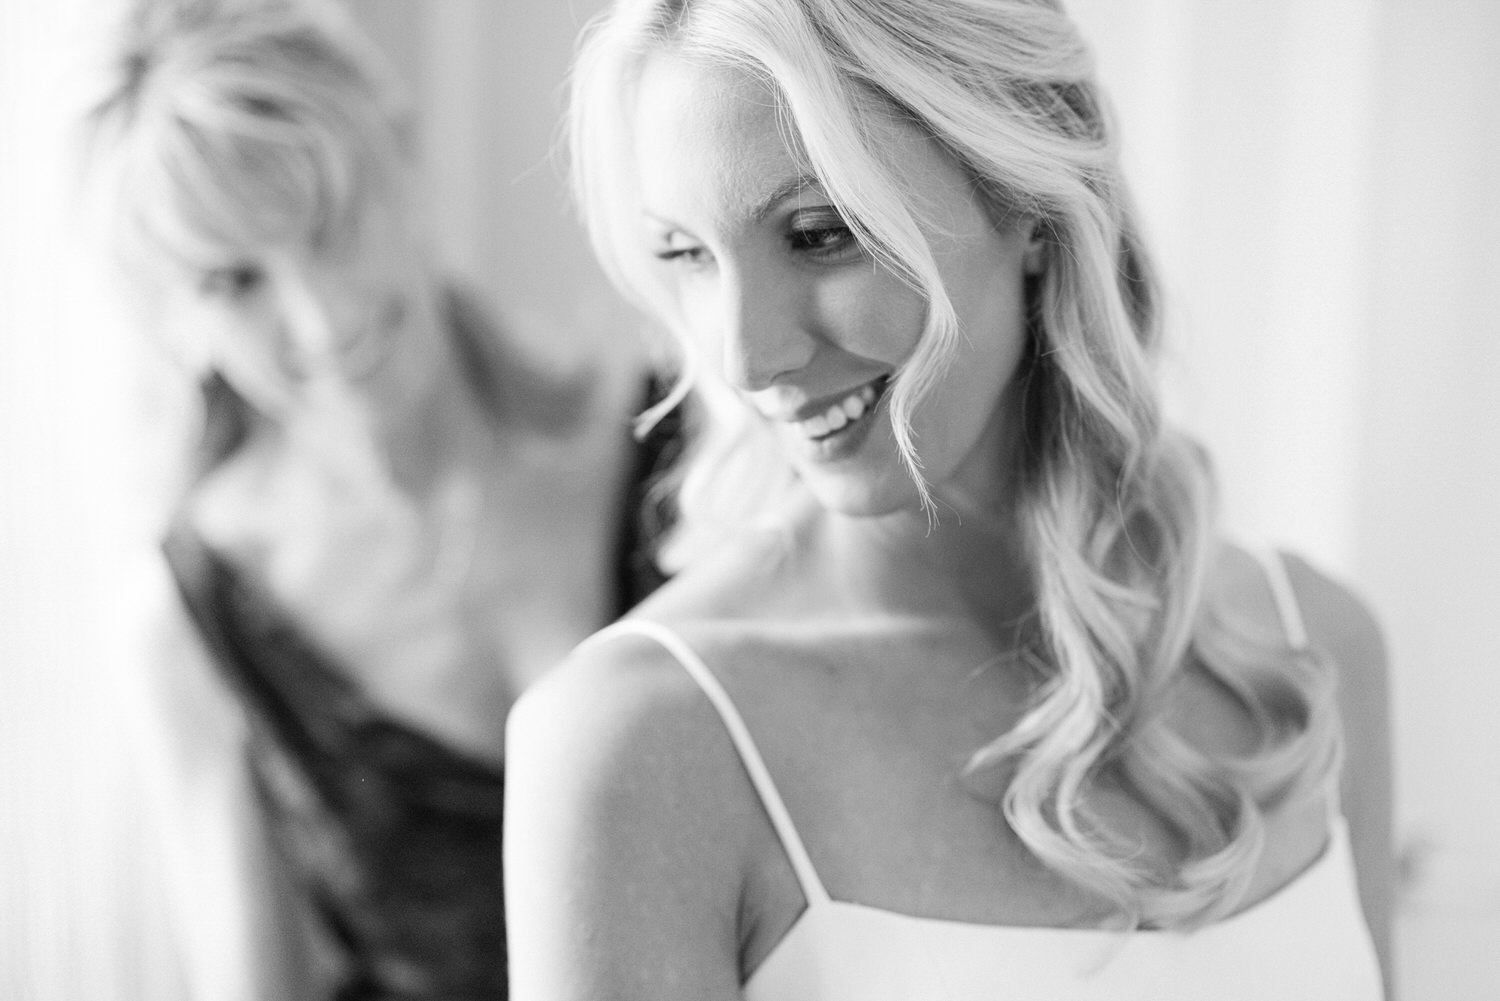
(1115, 508)
(247, 121)
(229, 125)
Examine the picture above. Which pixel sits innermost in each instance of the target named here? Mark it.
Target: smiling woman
(765, 268)
(960, 689)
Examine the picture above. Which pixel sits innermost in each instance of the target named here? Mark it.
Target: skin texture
(869, 651)
(781, 299)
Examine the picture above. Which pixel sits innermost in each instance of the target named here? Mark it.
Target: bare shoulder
(619, 710)
(624, 799)
(1339, 621)
(1342, 626)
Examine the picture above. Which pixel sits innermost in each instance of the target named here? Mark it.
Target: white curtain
(81, 913)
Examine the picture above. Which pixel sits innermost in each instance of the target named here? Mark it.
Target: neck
(952, 564)
(485, 389)
(432, 408)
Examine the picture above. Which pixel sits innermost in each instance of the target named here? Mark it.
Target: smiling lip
(826, 427)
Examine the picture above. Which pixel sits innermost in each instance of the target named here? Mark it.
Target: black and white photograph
(783, 500)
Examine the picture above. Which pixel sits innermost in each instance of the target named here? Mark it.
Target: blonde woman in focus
(960, 693)
(388, 516)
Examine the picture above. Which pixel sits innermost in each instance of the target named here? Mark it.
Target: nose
(311, 321)
(766, 330)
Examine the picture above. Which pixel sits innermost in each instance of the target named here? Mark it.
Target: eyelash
(831, 240)
(823, 241)
(682, 255)
(232, 283)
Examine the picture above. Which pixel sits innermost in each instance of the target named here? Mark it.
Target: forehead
(714, 150)
(710, 142)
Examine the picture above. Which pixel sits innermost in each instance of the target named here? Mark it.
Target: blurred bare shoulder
(1343, 627)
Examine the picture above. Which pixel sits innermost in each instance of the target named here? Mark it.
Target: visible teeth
(843, 413)
(854, 407)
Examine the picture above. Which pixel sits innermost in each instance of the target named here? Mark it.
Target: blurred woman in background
(388, 518)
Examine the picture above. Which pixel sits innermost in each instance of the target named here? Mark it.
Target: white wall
(1429, 518)
(1246, 130)
(488, 81)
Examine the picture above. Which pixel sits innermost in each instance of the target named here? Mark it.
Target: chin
(855, 496)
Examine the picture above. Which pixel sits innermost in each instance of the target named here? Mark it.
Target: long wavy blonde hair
(1115, 508)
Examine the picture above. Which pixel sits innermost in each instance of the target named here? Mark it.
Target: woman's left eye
(823, 239)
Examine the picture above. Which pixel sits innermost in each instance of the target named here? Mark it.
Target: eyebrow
(780, 193)
(767, 204)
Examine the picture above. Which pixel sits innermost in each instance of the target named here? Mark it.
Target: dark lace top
(391, 838)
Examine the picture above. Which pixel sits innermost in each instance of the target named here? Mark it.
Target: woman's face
(277, 319)
(766, 277)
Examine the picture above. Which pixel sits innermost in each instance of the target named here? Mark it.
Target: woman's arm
(1342, 626)
(626, 833)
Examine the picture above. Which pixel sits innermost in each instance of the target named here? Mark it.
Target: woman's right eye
(233, 282)
(695, 256)
(679, 249)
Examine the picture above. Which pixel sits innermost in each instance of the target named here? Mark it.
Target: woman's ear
(1035, 252)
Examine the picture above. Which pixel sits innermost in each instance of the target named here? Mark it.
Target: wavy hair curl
(1115, 508)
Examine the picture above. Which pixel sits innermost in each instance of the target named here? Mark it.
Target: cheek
(383, 272)
(394, 312)
(259, 322)
(988, 295)
(234, 329)
(696, 321)
(870, 312)
(990, 305)
(192, 339)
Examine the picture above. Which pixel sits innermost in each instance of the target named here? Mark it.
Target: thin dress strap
(1286, 598)
(739, 734)
(1295, 626)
